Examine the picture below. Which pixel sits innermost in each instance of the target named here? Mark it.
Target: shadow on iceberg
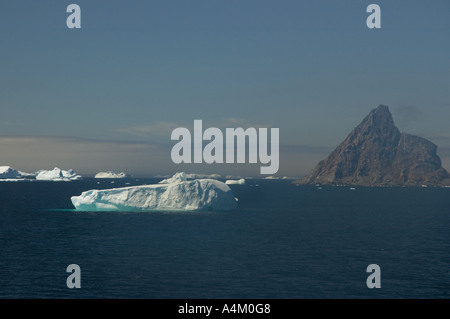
(174, 194)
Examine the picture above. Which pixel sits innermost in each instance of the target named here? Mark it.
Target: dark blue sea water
(283, 241)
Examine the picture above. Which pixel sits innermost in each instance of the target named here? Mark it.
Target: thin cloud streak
(144, 159)
(164, 129)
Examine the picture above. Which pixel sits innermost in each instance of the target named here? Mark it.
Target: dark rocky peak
(376, 153)
(379, 117)
(377, 127)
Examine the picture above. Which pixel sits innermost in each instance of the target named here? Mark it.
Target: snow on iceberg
(234, 181)
(197, 176)
(57, 175)
(271, 177)
(177, 178)
(7, 172)
(110, 174)
(27, 175)
(176, 195)
(185, 176)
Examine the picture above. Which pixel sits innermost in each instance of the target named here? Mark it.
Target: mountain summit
(376, 153)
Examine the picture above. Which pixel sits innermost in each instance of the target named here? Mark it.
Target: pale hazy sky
(108, 95)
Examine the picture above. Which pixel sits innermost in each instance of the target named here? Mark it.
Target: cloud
(237, 122)
(89, 156)
(441, 138)
(445, 105)
(161, 129)
(306, 149)
(164, 129)
(444, 151)
(406, 115)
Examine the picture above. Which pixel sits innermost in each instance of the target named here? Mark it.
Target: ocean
(282, 242)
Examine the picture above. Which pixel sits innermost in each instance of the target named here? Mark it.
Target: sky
(108, 95)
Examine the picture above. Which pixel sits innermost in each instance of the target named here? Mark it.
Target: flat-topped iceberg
(57, 174)
(176, 194)
(110, 174)
(235, 181)
(7, 172)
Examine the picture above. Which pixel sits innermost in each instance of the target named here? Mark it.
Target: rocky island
(375, 153)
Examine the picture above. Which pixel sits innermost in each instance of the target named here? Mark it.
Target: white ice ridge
(197, 175)
(235, 181)
(176, 195)
(27, 175)
(57, 174)
(7, 172)
(110, 174)
(177, 178)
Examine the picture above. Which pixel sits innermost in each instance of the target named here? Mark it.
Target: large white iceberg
(110, 174)
(176, 195)
(7, 172)
(57, 174)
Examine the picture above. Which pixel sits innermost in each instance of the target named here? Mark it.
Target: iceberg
(110, 174)
(175, 194)
(177, 178)
(271, 177)
(234, 181)
(27, 175)
(57, 175)
(7, 172)
(197, 176)
(186, 176)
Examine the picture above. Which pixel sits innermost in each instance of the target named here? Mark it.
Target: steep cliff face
(376, 153)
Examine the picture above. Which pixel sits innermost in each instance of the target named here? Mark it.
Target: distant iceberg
(235, 181)
(196, 176)
(57, 175)
(271, 177)
(7, 172)
(175, 194)
(110, 174)
(27, 175)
